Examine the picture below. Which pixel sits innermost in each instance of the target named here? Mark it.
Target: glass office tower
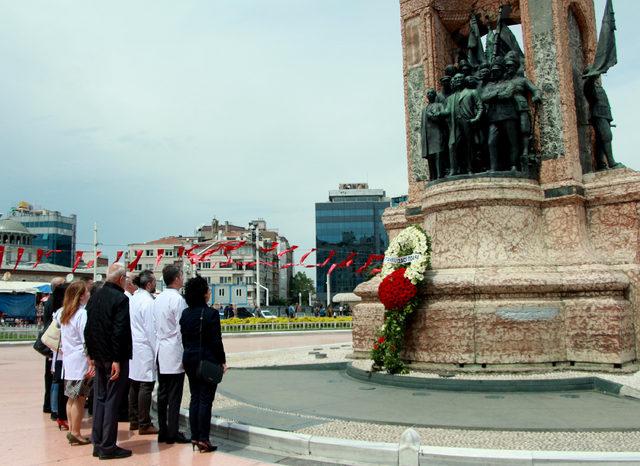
(52, 231)
(350, 222)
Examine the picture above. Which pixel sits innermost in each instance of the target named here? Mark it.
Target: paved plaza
(30, 438)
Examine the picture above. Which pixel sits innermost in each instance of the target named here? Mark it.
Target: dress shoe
(117, 453)
(95, 453)
(148, 430)
(180, 438)
(133, 426)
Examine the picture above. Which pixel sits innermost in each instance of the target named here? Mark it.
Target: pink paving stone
(28, 437)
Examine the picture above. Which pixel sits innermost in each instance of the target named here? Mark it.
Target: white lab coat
(167, 310)
(142, 367)
(75, 363)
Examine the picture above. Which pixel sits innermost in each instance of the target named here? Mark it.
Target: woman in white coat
(142, 368)
(78, 370)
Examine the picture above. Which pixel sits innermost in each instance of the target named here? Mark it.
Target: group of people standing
(117, 338)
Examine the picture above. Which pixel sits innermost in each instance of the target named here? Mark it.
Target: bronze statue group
(481, 120)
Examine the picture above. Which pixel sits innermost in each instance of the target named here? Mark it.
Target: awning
(346, 298)
(24, 287)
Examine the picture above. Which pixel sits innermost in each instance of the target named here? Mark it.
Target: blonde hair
(72, 297)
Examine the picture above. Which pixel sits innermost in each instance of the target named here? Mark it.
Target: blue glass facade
(54, 231)
(349, 224)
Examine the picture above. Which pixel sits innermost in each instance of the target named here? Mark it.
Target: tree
(300, 283)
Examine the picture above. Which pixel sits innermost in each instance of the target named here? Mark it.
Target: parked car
(265, 314)
(243, 313)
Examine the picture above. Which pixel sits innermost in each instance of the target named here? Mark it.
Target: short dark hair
(143, 279)
(170, 273)
(195, 291)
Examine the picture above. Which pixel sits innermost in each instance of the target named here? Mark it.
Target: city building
(14, 235)
(51, 230)
(350, 222)
(231, 274)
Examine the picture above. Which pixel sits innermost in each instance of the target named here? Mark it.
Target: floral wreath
(400, 295)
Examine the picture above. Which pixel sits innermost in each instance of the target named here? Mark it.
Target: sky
(151, 117)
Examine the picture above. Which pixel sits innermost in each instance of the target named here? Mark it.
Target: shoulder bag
(41, 347)
(51, 336)
(208, 371)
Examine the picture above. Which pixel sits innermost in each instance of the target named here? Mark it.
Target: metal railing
(30, 332)
(286, 326)
(19, 333)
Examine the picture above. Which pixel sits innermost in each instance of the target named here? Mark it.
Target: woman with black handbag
(203, 359)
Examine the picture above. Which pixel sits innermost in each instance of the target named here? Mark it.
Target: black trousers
(169, 398)
(202, 395)
(57, 379)
(48, 377)
(140, 402)
(107, 397)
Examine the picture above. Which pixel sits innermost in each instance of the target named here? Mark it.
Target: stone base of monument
(523, 275)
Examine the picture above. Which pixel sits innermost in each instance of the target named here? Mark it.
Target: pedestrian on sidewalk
(202, 340)
(108, 339)
(58, 398)
(78, 371)
(47, 317)
(142, 368)
(167, 310)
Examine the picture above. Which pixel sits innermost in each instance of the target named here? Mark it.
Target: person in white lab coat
(142, 367)
(167, 310)
(78, 370)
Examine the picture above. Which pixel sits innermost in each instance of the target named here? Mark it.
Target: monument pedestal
(522, 275)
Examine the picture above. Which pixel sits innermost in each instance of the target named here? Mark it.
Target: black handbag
(41, 347)
(208, 371)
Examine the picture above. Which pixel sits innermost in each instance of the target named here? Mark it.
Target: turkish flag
(1, 255)
(306, 254)
(18, 258)
(370, 260)
(286, 251)
(77, 261)
(160, 256)
(118, 256)
(269, 249)
(180, 251)
(134, 262)
(39, 254)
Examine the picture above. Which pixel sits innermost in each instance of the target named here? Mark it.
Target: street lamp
(253, 226)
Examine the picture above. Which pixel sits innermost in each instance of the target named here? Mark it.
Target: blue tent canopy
(18, 305)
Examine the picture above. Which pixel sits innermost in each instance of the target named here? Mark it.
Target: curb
(471, 385)
(282, 333)
(17, 343)
(362, 452)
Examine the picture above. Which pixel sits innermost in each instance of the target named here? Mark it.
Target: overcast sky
(152, 117)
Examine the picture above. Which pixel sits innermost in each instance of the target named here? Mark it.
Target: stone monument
(536, 246)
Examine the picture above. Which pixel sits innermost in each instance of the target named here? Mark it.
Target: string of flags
(226, 247)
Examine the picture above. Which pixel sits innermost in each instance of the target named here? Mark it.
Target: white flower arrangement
(411, 240)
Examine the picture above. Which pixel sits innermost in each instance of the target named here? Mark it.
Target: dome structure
(14, 232)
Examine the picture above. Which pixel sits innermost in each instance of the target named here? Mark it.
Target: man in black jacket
(108, 339)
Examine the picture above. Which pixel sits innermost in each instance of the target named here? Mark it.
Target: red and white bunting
(76, 263)
(134, 262)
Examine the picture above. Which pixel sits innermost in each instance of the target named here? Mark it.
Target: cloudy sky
(152, 117)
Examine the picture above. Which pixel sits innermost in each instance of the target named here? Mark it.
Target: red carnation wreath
(395, 291)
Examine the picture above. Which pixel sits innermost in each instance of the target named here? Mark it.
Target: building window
(239, 292)
(225, 280)
(148, 267)
(149, 253)
(221, 292)
(239, 280)
(208, 280)
(205, 265)
(138, 266)
(169, 253)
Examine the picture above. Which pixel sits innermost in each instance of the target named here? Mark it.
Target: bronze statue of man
(433, 135)
(464, 111)
(502, 116)
(601, 118)
(520, 87)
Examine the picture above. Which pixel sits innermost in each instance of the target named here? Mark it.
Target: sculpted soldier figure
(465, 68)
(433, 135)
(502, 116)
(520, 87)
(482, 74)
(601, 118)
(464, 110)
(445, 82)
